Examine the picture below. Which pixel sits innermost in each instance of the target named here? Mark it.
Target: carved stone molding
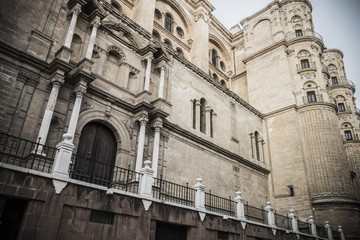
(28, 78)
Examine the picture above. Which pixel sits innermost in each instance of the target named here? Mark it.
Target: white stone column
(146, 180)
(270, 214)
(141, 143)
(148, 73)
(56, 82)
(239, 206)
(95, 25)
(294, 223)
(155, 154)
(328, 231)
(208, 122)
(199, 194)
(197, 114)
(79, 90)
(69, 36)
(162, 82)
(313, 226)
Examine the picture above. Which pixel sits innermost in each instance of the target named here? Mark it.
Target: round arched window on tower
(180, 32)
(222, 65)
(180, 52)
(158, 14)
(156, 35)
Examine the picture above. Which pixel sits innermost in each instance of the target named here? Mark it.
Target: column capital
(96, 23)
(157, 125)
(80, 90)
(149, 57)
(57, 80)
(143, 120)
(163, 68)
(76, 10)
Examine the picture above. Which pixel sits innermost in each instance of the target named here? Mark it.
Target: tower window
(203, 115)
(311, 96)
(334, 80)
(222, 65)
(291, 190)
(341, 107)
(298, 33)
(348, 135)
(168, 22)
(157, 14)
(305, 64)
(180, 32)
(213, 57)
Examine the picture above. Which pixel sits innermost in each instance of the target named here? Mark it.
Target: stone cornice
(240, 75)
(308, 106)
(338, 51)
(219, 26)
(178, 130)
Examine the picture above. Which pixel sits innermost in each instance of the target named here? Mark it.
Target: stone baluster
(146, 180)
(148, 73)
(56, 83)
(141, 142)
(69, 36)
(79, 91)
(328, 231)
(294, 223)
(162, 82)
(199, 194)
(270, 214)
(313, 226)
(342, 235)
(95, 25)
(155, 154)
(239, 206)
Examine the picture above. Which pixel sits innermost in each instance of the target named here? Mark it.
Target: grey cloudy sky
(337, 21)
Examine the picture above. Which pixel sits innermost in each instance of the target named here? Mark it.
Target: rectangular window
(194, 114)
(341, 107)
(102, 217)
(348, 135)
(311, 97)
(291, 191)
(334, 80)
(298, 33)
(305, 64)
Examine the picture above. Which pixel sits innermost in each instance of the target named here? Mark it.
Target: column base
(64, 54)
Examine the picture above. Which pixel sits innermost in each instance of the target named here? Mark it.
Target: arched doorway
(96, 154)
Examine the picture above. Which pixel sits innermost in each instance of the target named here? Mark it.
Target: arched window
(157, 14)
(167, 43)
(180, 32)
(156, 35)
(223, 83)
(194, 113)
(222, 66)
(95, 157)
(168, 22)
(213, 56)
(111, 68)
(257, 147)
(203, 115)
(180, 52)
(215, 77)
(116, 5)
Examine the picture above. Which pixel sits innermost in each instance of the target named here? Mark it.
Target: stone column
(56, 82)
(208, 122)
(294, 223)
(199, 194)
(155, 154)
(148, 73)
(328, 231)
(312, 226)
(197, 114)
(95, 25)
(239, 206)
(141, 143)
(75, 13)
(252, 145)
(162, 82)
(270, 214)
(79, 91)
(146, 180)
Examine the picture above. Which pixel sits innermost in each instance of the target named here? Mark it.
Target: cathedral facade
(138, 119)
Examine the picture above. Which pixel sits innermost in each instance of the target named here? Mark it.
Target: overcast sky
(338, 22)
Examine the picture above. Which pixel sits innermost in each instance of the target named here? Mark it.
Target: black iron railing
(220, 205)
(321, 231)
(89, 170)
(304, 227)
(172, 192)
(282, 221)
(255, 214)
(23, 153)
(336, 235)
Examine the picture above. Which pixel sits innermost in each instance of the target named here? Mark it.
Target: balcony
(303, 34)
(310, 66)
(341, 83)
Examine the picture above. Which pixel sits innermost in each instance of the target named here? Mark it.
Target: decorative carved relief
(202, 15)
(28, 78)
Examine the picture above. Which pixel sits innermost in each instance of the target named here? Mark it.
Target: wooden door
(96, 154)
